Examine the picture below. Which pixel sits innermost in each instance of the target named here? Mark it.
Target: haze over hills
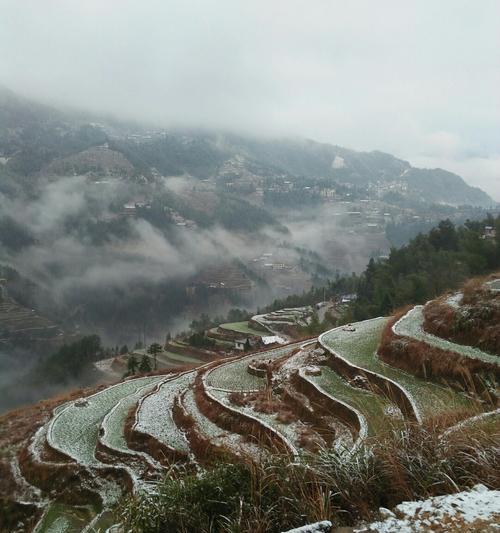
(103, 219)
(38, 139)
(249, 266)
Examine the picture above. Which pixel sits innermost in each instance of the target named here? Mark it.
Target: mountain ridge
(33, 136)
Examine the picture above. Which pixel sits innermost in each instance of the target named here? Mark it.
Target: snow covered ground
(412, 325)
(233, 376)
(74, 430)
(455, 512)
(154, 416)
(359, 349)
(318, 527)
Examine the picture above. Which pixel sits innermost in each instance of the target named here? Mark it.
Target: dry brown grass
(205, 451)
(429, 362)
(413, 462)
(236, 422)
(478, 325)
(474, 290)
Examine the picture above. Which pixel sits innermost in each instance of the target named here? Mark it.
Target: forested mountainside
(413, 274)
(38, 139)
(129, 231)
(429, 264)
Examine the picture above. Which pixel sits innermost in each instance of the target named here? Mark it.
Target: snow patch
(449, 512)
(318, 527)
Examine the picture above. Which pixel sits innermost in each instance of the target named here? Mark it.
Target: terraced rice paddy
(180, 358)
(288, 431)
(234, 442)
(379, 413)
(61, 518)
(494, 285)
(359, 348)
(113, 423)
(412, 325)
(154, 416)
(168, 359)
(244, 328)
(74, 430)
(233, 376)
(206, 426)
(76, 427)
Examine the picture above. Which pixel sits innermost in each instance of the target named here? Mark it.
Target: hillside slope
(36, 138)
(309, 410)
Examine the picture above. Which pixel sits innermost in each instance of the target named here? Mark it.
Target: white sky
(416, 78)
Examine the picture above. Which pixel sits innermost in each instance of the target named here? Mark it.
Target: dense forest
(429, 264)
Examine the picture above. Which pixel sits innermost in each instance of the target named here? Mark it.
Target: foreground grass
(413, 463)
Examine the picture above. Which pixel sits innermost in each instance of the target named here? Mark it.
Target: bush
(414, 463)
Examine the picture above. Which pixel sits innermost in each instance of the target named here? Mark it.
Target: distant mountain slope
(36, 138)
(310, 158)
(97, 159)
(32, 135)
(439, 185)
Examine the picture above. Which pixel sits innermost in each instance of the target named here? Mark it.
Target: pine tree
(154, 350)
(145, 365)
(132, 364)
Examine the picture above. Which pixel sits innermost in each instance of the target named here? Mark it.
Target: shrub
(413, 463)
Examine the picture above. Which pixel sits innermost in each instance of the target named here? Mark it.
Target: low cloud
(361, 74)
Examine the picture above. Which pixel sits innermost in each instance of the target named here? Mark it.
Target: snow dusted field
(114, 422)
(412, 325)
(454, 512)
(233, 376)
(217, 435)
(494, 285)
(154, 416)
(373, 408)
(76, 427)
(74, 430)
(207, 427)
(288, 431)
(359, 348)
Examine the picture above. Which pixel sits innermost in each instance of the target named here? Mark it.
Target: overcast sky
(417, 78)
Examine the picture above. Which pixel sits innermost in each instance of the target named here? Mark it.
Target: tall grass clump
(414, 462)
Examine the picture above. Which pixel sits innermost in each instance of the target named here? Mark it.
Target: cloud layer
(418, 78)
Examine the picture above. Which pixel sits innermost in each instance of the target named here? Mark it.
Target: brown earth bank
(465, 374)
(234, 421)
(476, 323)
(204, 450)
(327, 405)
